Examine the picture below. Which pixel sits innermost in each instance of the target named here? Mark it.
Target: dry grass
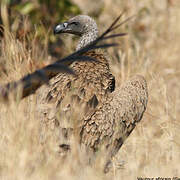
(152, 150)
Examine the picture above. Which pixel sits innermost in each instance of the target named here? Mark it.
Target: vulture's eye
(75, 23)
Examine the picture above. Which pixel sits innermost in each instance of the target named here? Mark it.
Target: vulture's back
(89, 87)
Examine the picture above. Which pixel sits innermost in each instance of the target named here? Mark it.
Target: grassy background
(150, 49)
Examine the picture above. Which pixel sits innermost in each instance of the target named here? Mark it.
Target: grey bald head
(81, 25)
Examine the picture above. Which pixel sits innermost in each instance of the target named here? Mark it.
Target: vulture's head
(81, 25)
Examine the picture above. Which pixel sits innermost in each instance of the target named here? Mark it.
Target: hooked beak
(61, 28)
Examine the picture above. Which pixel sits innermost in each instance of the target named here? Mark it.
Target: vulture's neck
(87, 38)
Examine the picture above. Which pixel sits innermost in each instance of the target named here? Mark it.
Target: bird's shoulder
(90, 77)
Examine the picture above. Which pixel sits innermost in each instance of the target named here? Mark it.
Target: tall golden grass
(152, 49)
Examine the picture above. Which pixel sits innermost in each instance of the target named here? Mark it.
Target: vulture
(105, 115)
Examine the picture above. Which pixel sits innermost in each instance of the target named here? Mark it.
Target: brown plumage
(87, 89)
(118, 115)
(112, 122)
(107, 118)
(92, 80)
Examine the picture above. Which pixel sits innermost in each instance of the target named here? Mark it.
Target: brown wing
(113, 121)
